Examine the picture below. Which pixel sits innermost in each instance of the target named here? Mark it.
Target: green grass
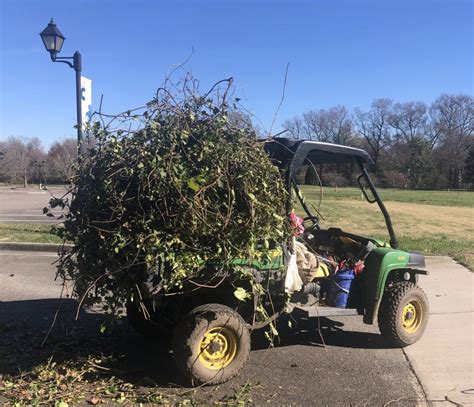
(462, 251)
(440, 198)
(33, 233)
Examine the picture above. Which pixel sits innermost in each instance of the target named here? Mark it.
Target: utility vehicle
(211, 327)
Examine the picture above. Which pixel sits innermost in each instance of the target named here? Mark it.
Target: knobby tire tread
(387, 316)
(185, 330)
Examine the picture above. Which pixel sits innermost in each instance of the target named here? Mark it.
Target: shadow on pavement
(314, 332)
(122, 352)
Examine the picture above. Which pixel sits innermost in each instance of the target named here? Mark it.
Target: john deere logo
(401, 257)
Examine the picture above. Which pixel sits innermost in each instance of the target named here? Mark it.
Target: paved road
(352, 368)
(22, 205)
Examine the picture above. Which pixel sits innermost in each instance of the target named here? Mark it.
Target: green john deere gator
(326, 273)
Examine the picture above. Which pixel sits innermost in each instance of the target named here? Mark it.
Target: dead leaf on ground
(94, 400)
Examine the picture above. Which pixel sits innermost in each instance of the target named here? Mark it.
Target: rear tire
(211, 345)
(403, 314)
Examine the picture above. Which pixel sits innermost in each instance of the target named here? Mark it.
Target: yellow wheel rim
(218, 348)
(412, 316)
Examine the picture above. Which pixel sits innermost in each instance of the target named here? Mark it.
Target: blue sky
(339, 52)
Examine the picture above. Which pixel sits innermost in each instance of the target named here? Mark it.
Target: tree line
(24, 161)
(413, 145)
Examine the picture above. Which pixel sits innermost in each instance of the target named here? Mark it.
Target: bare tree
(469, 168)
(411, 149)
(19, 157)
(409, 120)
(423, 147)
(61, 158)
(333, 125)
(295, 127)
(374, 127)
(453, 121)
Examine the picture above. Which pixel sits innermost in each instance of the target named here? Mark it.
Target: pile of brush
(163, 192)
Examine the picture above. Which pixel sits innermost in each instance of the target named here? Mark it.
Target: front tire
(211, 345)
(403, 314)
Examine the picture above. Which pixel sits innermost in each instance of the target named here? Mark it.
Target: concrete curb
(34, 247)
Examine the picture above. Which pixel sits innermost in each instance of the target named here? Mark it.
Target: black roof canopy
(300, 155)
(304, 152)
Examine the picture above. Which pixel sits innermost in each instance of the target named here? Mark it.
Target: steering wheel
(314, 223)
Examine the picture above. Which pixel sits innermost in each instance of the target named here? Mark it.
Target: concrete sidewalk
(443, 359)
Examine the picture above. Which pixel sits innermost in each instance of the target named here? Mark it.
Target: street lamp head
(52, 39)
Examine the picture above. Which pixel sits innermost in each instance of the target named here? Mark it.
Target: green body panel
(381, 261)
(378, 265)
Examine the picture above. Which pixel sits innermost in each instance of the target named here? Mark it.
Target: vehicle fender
(381, 262)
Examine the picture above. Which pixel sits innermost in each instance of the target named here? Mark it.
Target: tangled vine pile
(164, 191)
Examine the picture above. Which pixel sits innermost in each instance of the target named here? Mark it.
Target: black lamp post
(40, 165)
(53, 41)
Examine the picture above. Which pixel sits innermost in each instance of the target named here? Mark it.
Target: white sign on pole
(86, 98)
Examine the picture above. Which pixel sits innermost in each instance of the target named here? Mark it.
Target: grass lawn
(27, 232)
(434, 222)
(436, 198)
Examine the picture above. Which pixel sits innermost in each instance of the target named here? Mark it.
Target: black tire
(153, 327)
(211, 345)
(403, 314)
